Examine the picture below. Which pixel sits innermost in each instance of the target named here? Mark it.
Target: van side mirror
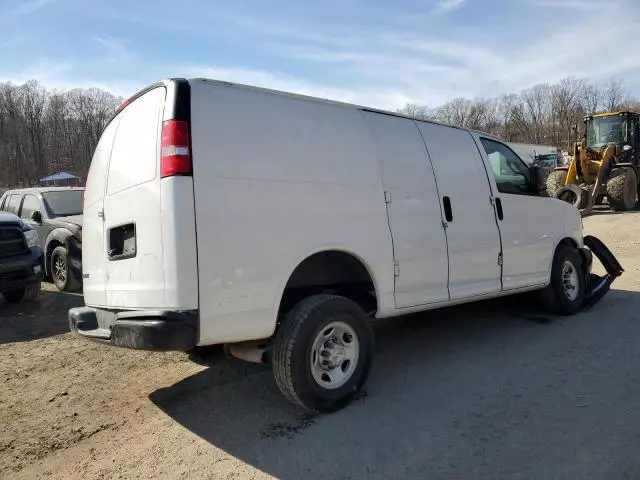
(36, 217)
(538, 179)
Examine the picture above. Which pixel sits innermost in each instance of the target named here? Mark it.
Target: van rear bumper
(140, 329)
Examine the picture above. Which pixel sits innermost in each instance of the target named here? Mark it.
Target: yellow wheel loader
(605, 164)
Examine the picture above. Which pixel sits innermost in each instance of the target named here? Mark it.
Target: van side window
(510, 172)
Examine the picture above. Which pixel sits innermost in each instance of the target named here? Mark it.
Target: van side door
(473, 238)
(523, 217)
(413, 210)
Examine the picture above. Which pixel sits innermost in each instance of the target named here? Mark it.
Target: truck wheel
(622, 189)
(565, 293)
(555, 181)
(24, 294)
(322, 352)
(61, 274)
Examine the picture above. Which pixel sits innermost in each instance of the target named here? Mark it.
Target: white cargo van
(280, 225)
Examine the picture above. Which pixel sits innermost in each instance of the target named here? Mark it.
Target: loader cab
(619, 128)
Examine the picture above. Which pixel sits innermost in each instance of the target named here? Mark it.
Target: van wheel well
(332, 272)
(569, 242)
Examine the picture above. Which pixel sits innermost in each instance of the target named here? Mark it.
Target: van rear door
(132, 213)
(94, 271)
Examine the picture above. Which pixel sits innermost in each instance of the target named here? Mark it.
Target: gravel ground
(494, 390)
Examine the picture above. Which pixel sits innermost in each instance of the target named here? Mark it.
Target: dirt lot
(499, 390)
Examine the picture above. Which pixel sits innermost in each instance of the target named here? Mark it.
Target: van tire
(293, 351)
(24, 294)
(566, 263)
(64, 281)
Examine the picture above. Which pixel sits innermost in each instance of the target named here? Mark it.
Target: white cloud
(27, 7)
(114, 49)
(47, 73)
(568, 4)
(12, 41)
(449, 5)
(383, 67)
(431, 70)
(365, 95)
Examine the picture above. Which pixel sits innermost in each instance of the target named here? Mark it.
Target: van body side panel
(419, 241)
(473, 238)
(277, 179)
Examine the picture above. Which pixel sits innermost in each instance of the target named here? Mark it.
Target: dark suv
(56, 214)
(20, 260)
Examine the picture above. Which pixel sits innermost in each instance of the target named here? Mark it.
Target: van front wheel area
(322, 352)
(566, 291)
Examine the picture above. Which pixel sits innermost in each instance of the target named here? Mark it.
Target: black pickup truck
(21, 260)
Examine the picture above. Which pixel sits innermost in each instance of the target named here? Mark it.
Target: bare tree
(42, 131)
(540, 114)
(414, 110)
(614, 95)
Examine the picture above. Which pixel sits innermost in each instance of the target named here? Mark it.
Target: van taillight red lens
(175, 158)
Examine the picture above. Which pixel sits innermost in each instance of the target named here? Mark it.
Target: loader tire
(622, 189)
(555, 181)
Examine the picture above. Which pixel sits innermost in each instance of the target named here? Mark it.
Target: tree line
(543, 114)
(46, 131)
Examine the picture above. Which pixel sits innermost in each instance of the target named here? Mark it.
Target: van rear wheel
(322, 352)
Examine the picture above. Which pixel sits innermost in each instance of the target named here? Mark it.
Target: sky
(379, 53)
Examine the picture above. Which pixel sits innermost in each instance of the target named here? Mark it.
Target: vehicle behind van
(281, 225)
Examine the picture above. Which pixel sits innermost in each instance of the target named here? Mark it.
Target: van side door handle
(499, 209)
(448, 213)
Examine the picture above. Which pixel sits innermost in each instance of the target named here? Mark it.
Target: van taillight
(175, 158)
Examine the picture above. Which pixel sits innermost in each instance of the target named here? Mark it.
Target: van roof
(280, 93)
(291, 95)
(317, 99)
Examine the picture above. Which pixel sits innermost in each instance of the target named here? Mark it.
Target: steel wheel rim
(60, 268)
(570, 283)
(334, 355)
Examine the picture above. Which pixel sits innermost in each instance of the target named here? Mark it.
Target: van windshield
(64, 203)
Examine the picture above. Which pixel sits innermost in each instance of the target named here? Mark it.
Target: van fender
(598, 286)
(329, 248)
